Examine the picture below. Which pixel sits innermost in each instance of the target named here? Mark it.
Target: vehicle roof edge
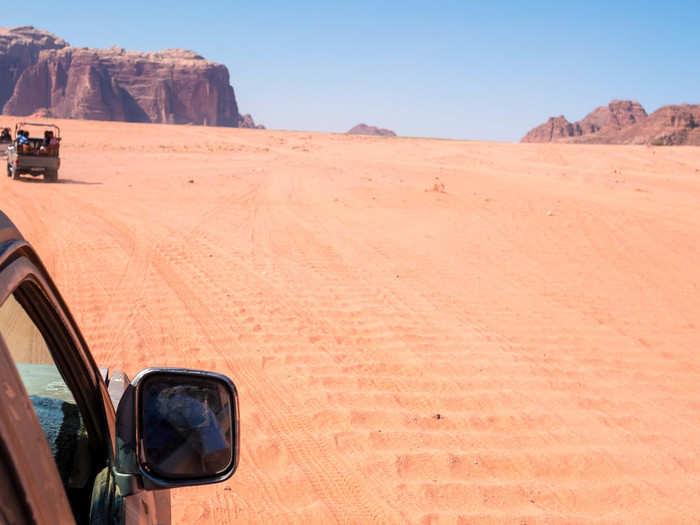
(8, 231)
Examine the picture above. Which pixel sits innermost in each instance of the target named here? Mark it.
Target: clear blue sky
(484, 70)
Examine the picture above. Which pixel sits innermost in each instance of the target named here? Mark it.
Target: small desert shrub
(438, 186)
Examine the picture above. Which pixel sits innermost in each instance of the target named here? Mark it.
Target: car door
(30, 466)
(54, 420)
(13, 508)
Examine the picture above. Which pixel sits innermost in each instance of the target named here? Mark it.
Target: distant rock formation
(624, 122)
(45, 75)
(618, 114)
(246, 121)
(551, 131)
(364, 129)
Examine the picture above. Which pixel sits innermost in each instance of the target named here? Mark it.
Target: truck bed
(38, 162)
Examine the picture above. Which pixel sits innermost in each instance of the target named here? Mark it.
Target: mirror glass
(186, 425)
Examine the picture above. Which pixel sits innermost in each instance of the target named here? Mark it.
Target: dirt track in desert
(520, 348)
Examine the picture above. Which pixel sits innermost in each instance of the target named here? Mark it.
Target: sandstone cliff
(624, 122)
(554, 129)
(48, 76)
(364, 129)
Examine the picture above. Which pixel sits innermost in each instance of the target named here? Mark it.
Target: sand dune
(519, 346)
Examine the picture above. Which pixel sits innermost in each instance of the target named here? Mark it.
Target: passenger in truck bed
(22, 137)
(49, 146)
(48, 137)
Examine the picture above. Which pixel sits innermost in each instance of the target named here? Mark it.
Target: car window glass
(51, 398)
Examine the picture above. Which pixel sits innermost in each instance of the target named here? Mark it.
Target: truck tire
(9, 170)
(51, 175)
(15, 173)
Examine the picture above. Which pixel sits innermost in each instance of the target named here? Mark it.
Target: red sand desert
(521, 347)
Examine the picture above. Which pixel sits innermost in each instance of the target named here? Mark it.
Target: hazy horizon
(457, 70)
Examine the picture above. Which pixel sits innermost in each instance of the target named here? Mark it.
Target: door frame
(28, 451)
(38, 295)
(20, 431)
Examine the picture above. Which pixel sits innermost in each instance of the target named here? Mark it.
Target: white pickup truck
(5, 141)
(34, 155)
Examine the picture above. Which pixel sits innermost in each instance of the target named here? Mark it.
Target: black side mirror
(187, 425)
(182, 426)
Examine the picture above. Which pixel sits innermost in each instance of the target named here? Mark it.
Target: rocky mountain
(364, 129)
(624, 122)
(555, 129)
(43, 74)
(618, 114)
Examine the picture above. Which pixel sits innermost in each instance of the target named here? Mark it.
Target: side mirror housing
(175, 428)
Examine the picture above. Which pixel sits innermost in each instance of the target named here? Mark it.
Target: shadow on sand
(40, 180)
